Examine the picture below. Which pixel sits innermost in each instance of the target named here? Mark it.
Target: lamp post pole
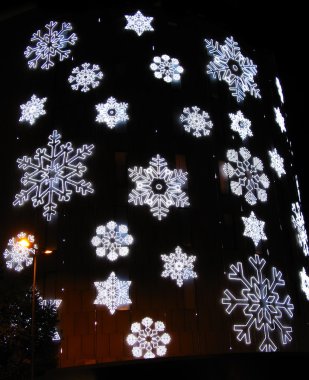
(33, 315)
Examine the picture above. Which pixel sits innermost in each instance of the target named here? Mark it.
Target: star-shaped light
(139, 23)
(277, 162)
(254, 228)
(241, 125)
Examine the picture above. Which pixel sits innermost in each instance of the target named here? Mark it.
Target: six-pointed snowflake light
(276, 162)
(167, 68)
(112, 293)
(49, 45)
(231, 66)
(263, 308)
(33, 109)
(85, 77)
(241, 125)
(139, 23)
(53, 176)
(299, 224)
(250, 178)
(178, 266)
(196, 121)
(158, 187)
(17, 253)
(279, 89)
(304, 282)
(112, 240)
(254, 228)
(148, 339)
(280, 119)
(112, 112)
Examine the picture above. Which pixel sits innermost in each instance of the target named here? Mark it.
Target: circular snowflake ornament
(32, 110)
(85, 77)
(148, 339)
(196, 121)
(112, 240)
(241, 125)
(20, 251)
(112, 112)
(166, 68)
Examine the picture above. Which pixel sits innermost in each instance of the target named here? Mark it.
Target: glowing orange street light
(24, 242)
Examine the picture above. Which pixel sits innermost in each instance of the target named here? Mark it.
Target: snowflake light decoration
(158, 187)
(304, 282)
(249, 179)
(260, 303)
(148, 340)
(17, 254)
(112, 240)
(178, 266)
(231, 66)
(254, 228)
(112, 293)
(53, 176)
(280, 119)
(299, 225)
(112, 112)
(277, 162)
(196, 121)
(33, 109)
(167, 68)
(139, 23)
(241, 125)
(85, 77)
(279, 89)
(50, 44)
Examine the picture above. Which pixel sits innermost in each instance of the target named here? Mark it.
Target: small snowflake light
(148, 339)
(112, 240)
(50, 45)
(139, 23)
(112, 112)
(249, 175)
(158, 187)
(279, 89)
(112, 293)
(254, 228)
(20, 251)
(167, 68)
(280, 119)
(261, 304)
(231, 66)
(85, 77)
(304, 282)
(277, 162)
(299, 224)
(241, 125)
(196, 121)
(178, 266)
(53, 174)
(33, 109)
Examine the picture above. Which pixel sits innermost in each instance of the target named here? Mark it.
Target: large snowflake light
(85, 77)
(158, 187)
(241, 125)
(276, 162)
(196, 121)
(254, 228)
(112, 112)
(231, 66)
(20, 251)
(260, 303)
(248, 171)
(299, 224)
(112, 240)
(280, 119)
(304, 282)
(167, 68)
(178, 266)
(112, 293)
(50, 44)
(53, 176)
(279, 89)
(139, 23)
(33, 109)
(148, 339)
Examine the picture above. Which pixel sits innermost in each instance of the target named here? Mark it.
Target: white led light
(241, 125)
(33, 109)
(112, 112)
(17, 255)
(196, 121)
(279, 88)
(277, 162)
(254, 228)
(85, 77)
(139, 23)
(304, 282)
(299, 224)
(280, 119)
(166, 68)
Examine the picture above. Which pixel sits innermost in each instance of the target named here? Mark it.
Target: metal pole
(33, 316)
